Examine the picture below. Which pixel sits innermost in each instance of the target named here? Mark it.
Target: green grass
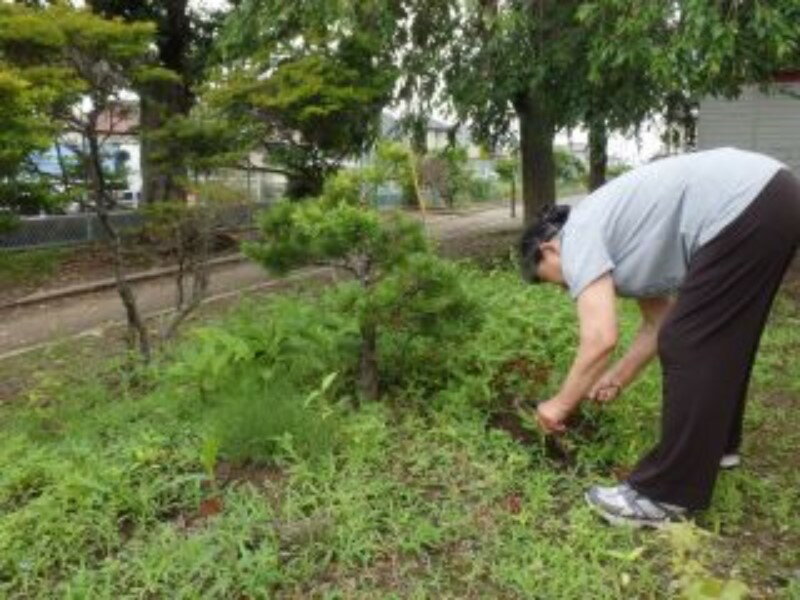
(29, 267)
(104, 492)
(570, 188)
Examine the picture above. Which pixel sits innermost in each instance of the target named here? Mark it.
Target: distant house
(118, 133)
(763, 122)
(437, 135)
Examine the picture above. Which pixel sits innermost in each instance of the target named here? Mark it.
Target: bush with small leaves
(397, 278)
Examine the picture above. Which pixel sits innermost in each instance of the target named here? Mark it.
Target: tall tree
(621, 91)
(607, 64)
(184, 39)
(90, 61)
(24, 131)
(519, 59)
(422, 28)
(663, 57)
(314, 75)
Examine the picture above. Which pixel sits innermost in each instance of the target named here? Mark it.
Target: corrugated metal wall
(767, 123)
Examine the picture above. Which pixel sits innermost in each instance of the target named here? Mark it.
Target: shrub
(388, 257)
(257, 378)
(260, 418)
(29, 266)
(523, 335)
(568, 166)
(188, 233)
(617, 169)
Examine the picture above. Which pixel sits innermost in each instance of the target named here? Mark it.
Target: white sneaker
(622, 505)
(730, 461)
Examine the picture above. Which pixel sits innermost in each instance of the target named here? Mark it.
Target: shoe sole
(730, 466)
(631, 523)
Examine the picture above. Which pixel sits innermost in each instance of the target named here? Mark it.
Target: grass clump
(29, 267)
(261, 380)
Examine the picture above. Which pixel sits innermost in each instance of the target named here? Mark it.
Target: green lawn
(105, 489)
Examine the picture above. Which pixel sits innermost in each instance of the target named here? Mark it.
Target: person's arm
(598, 337)
(639, 354)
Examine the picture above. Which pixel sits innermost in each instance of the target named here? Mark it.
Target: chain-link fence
(67, 230)
(83, 228)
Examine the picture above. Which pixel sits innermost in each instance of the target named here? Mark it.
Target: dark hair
(547, 225)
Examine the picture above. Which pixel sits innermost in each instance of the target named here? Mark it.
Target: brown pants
(708, 343)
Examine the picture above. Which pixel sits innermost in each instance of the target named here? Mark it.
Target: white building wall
(763, 122)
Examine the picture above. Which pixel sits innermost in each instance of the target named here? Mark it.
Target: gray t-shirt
(644, 226)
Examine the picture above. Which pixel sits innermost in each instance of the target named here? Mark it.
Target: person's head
(540, 248)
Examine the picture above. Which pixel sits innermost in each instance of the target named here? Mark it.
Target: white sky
(630, 149)
(208, 4)
(204, 4)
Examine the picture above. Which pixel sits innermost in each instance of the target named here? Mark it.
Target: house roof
(119, 119)
(390, 125)
(788, 77)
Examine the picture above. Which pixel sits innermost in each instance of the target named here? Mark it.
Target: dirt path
(49, 321)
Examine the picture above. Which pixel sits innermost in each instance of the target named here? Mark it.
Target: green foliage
(263, 380)
(24, 130)
(689, 556)
(8, 222)
(315, 88)
(340, 228)
(184, 34)
(617, 169)
(568, 166)
(95, 61)
(21, 127)
(190, 146)
(718, 48)
(42, 37)
(68, 495)
(104, 475)
(396, 279)
(188, 232)
(28, 267)
(344, 235)
(183, 41)
(446, 174)
(664, 57)
(608, 64)
(507, 168)
(395, 163)
(57, 57)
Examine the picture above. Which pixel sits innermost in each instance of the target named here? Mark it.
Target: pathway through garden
(41, 323)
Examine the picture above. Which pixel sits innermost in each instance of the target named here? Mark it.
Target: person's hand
(605, 390)
(550, 415)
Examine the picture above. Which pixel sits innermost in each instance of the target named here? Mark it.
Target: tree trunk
(514, 197)
(598, 155)
(158, 104)
(176, 41)
(193, 263)
(165, 100)
(368, 383)
(136, 325)
(538, 164)
(419, 134)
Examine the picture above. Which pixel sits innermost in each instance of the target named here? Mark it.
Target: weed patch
(29, 267)
(239, 466)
